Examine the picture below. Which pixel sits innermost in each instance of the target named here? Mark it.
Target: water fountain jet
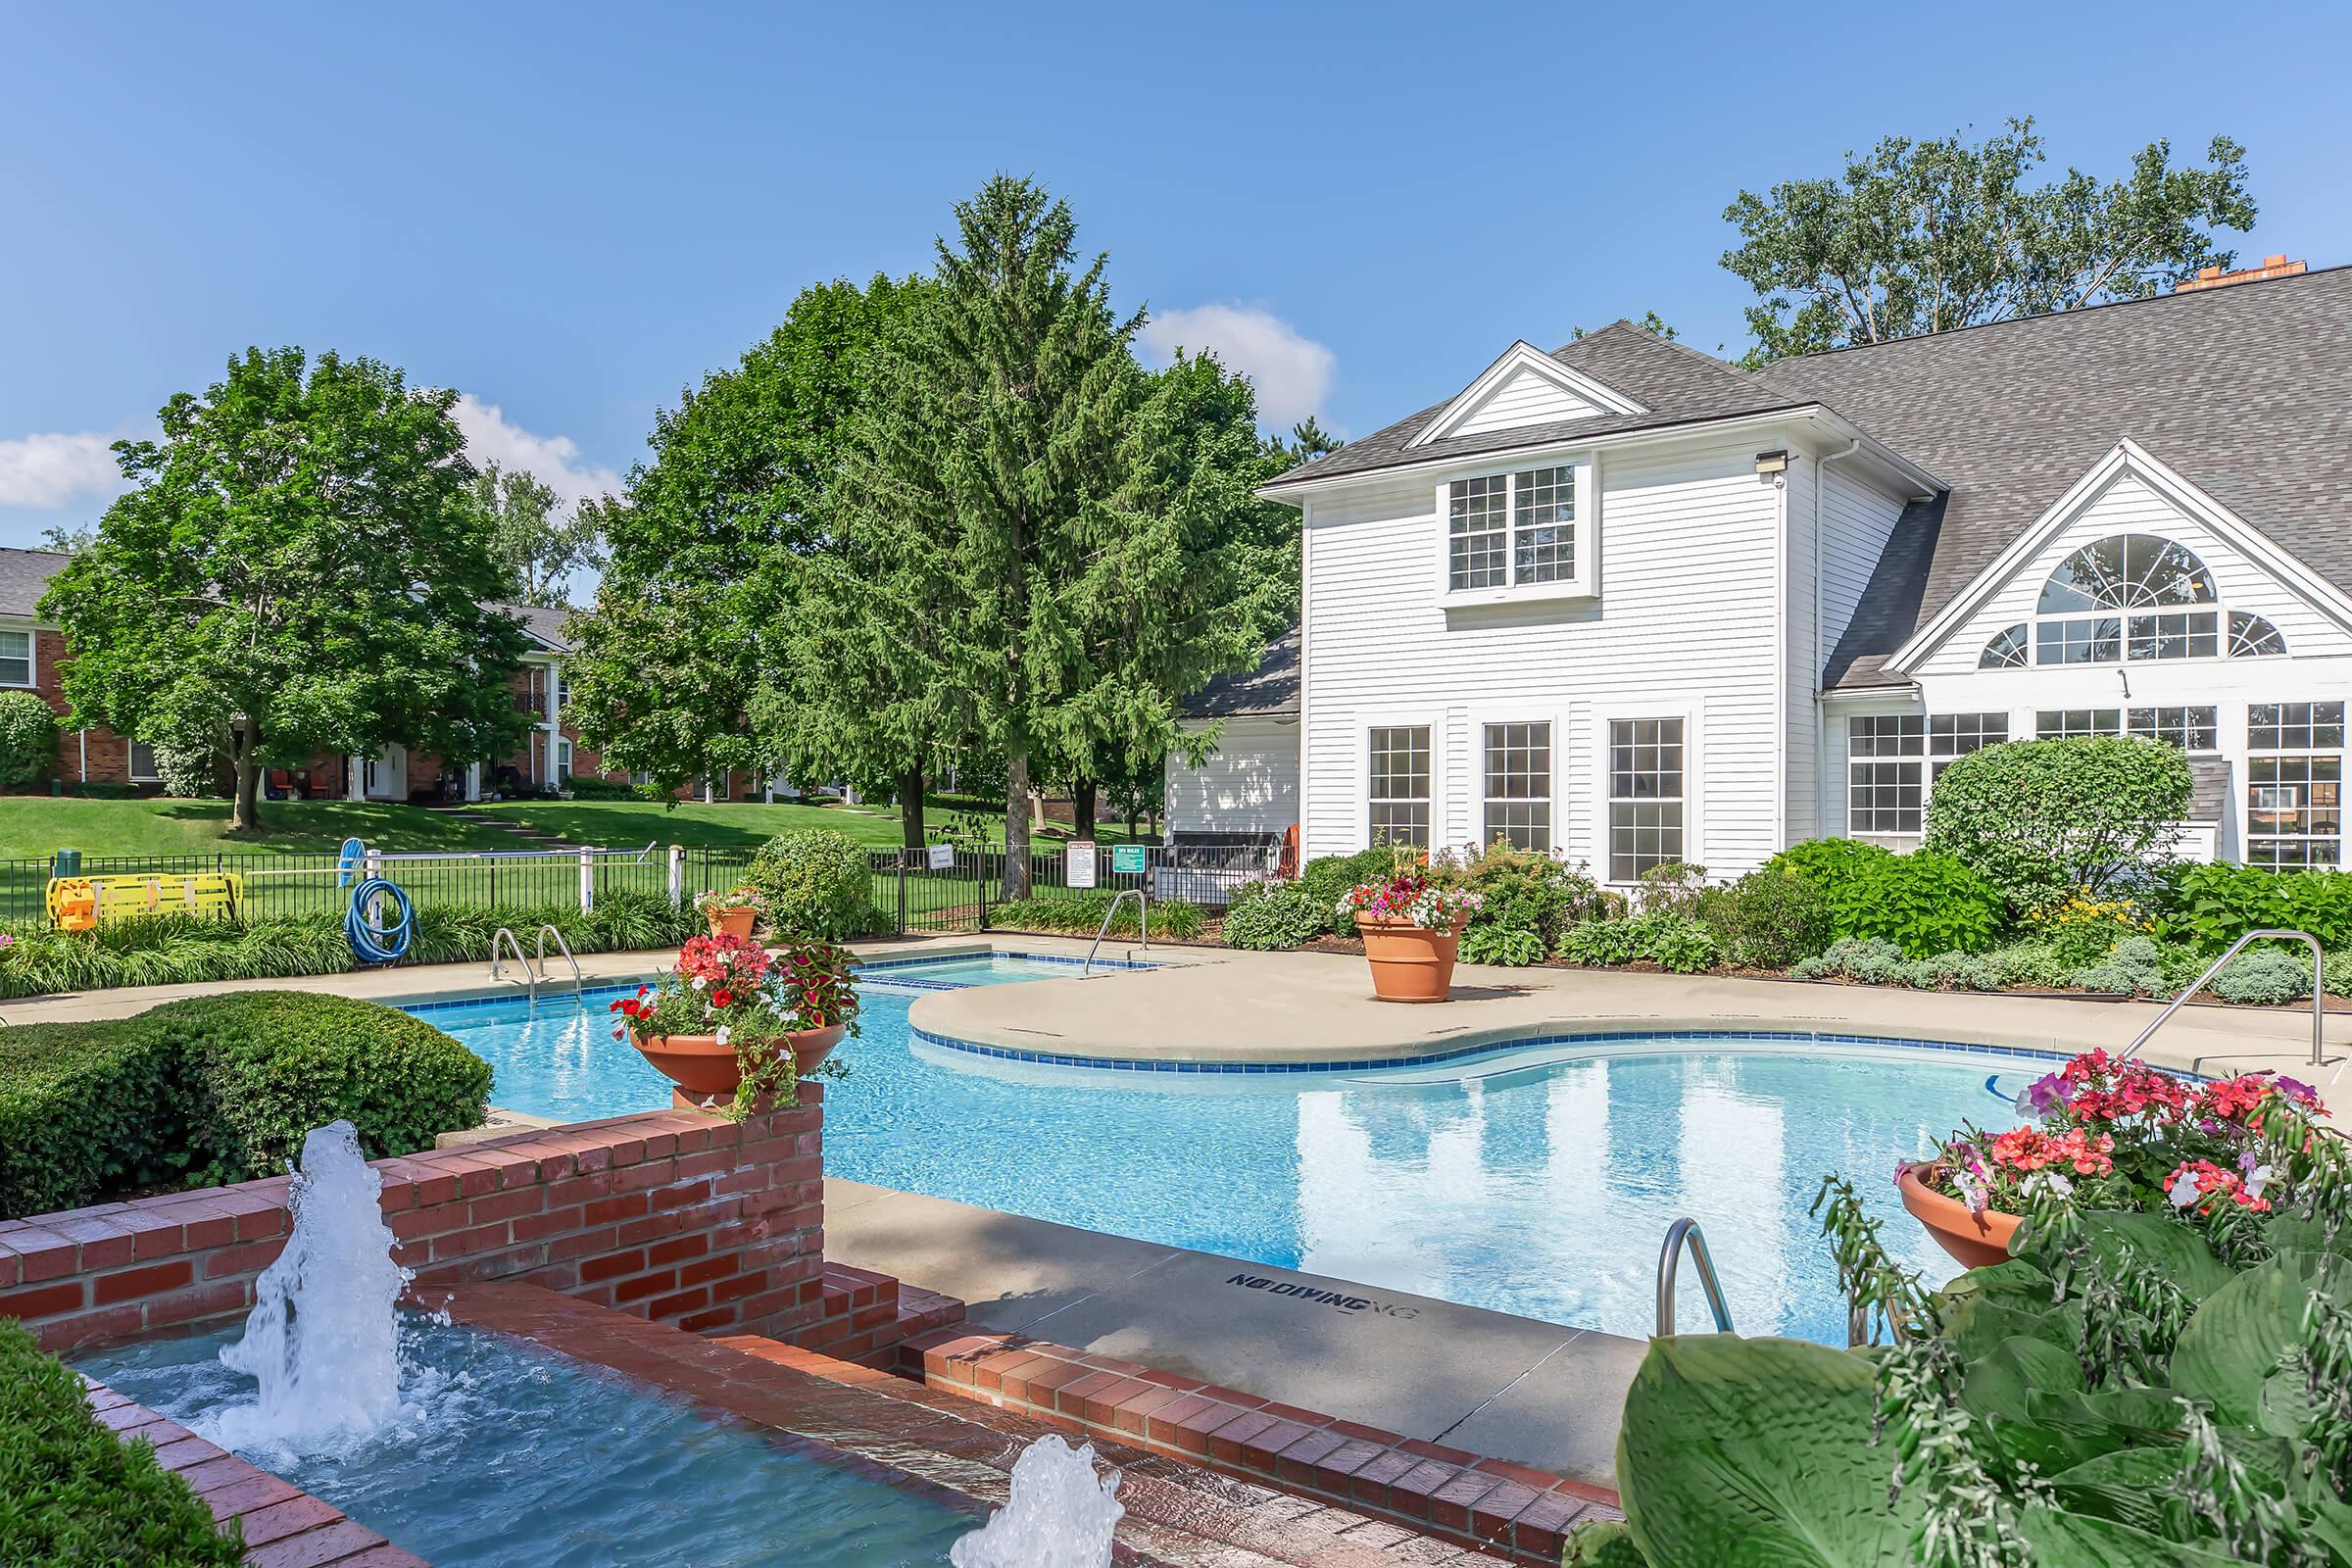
(1061, 1515)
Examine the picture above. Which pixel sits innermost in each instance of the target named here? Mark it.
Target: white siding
(1685, 625)
(1525, 398)
(1856, 521)
(1250, 784)
(1801, 701)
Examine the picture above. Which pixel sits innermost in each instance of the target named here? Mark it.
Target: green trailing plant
(1272, 916)
(218, 1088)
(79, 1496)
(1769, 920)
(817, 883)
(2040, 819)
(1081, 910)
(28, 741)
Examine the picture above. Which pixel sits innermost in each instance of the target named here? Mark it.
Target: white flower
(2052, 1180)
(1972, 1191)
(724, 1032)
(2258, 1180)
(698, 982)
(2184, 1188)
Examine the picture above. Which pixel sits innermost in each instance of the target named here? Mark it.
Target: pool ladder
(529, 981)
(1143, 923)
(2319, 990)
(1685, 1233)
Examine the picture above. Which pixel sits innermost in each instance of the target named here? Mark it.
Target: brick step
(864, 1316)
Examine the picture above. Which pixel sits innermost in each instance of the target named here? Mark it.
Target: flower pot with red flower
(730, 1022)
(1412, 927)
(734, 914)
(2107, 1134)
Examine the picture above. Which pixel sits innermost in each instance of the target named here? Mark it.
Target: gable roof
(1671, 385)
(1270, 690)
(2245, 391)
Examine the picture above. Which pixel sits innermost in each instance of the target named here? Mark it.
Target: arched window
(2005, 651)
(2131, 597)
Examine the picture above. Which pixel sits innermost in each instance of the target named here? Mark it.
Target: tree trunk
(1082, 808)
(1017, 801)
(245, 811)
(910, 807)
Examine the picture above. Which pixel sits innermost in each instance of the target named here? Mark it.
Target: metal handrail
(1685, 1232)
(1143, 922)
(579, 985)
(2319, 991)
(497, 969)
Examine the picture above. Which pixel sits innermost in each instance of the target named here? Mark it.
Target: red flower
(722, 998)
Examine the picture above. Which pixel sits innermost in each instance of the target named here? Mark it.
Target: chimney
(2214, 277)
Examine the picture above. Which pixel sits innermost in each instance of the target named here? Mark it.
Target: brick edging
(1446, 1492)
(279, 1522)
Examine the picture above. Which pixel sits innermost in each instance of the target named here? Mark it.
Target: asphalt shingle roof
(1270, 690)
(23, 576)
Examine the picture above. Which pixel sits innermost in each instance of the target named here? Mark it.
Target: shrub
(1269, 916)
(78, 1494)
(2213, 905)
(2083, 930)
(817, 883)
(191, 773)
(1328, 876)
(1873, 960)
(86, 1108)
(1081, 911)
(1829, 863)
(1673, 887)
(2264, 976)
(1510, 945)
(1769, 920)
(1666, 938)
(2039, 819)
(1527, 890)
(587, 787)
(1924, 904)
(28, 741)
(2135, 964)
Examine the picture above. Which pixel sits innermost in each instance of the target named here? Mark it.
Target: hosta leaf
(2155, 1241)
(1757, 1453)
(1602, 1546)
(2131, 1486)
(1999, 1391)
(2294, 1233)
(2062, 1539)
(1976, 1324)
(2234, 1342)
(2329, 1524)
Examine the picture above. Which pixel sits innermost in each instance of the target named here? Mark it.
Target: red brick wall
(674, 1215)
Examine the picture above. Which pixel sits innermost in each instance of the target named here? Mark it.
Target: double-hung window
(1645, 795)
(2294, 785)
(1399, 785)
(1886, 765)
(142, 761)
(1518, 771)
(15, 659)
(2075, 723)
(2192, 730)
(1523, 529)
(1955, 735)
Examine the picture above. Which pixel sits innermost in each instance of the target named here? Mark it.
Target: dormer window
(1523, 534)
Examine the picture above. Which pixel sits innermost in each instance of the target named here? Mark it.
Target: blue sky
(569, 212)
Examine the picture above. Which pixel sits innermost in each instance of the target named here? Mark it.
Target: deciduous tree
(297, 570)
(533, 542)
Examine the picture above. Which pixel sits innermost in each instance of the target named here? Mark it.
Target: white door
(387, 775)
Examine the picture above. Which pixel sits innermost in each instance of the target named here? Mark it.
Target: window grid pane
(1477, 526)
(1543, 525)
(1399, 780)
(1645, 795)
(2192, 730)
(2068, 723)
(15, 659)
(2295, 726)
(1518, 773)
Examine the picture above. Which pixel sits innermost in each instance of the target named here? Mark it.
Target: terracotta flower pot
(1973, 1239)
(811, 1047)
(706, 1070)
(735, 922)
(1409, 962)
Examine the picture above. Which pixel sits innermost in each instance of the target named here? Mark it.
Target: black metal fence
(958, 890)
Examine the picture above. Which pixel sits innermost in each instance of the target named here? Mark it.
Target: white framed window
(143, 764)
(15, 659)
(1884, 774)
(1647, 803)
(2077, 723)
(563, 758)
(2294, 785)
(1399, 780)
(1955, 735)
(1518, 787)
(2191, 728)
(1527, 533)
(2131, 598)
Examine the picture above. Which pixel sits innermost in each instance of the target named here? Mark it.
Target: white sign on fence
(940, 857)
(1080, 863)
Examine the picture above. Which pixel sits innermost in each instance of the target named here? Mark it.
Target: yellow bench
(78, 902)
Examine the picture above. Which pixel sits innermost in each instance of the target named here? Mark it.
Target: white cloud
(49, 473)
(1291, 373)
(555, 459)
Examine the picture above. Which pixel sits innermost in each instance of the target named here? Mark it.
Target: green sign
(1127, 858)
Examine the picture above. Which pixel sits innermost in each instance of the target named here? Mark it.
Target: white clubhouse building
(1630, 604)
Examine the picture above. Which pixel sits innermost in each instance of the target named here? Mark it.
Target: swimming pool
(612, 1471)
(1537, 1181)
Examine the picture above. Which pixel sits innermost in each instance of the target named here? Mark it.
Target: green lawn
(39, 825)
(734, 824)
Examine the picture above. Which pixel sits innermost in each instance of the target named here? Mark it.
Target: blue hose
(372, 943)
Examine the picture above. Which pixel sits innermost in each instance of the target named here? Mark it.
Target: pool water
(513, 1457)
(1521, 1182)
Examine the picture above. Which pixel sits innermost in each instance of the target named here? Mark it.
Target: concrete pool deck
(1509, 1387)
(1217, 1005)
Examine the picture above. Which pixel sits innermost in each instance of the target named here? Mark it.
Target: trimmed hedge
(818, 885)
(74, 1496)
(218, 1089)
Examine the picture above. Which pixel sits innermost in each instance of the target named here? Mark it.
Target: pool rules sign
(1080, 863)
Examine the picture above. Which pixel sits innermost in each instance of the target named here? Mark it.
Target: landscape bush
(1828, 862)
(1327, 876)
(2214, 904)
(218, 1089)
(1769, 920)
(2267, 976)
(818, 885)
(1080, 910)
(2083, 929)
(1527, 890)
(1923, 903)
(28, 741)
(587, 787)
(2039, 819)
(1667, 937)
(72, 1495)
(1512, 947)
(1272, 916)
(190, 771)
(2135, 964)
